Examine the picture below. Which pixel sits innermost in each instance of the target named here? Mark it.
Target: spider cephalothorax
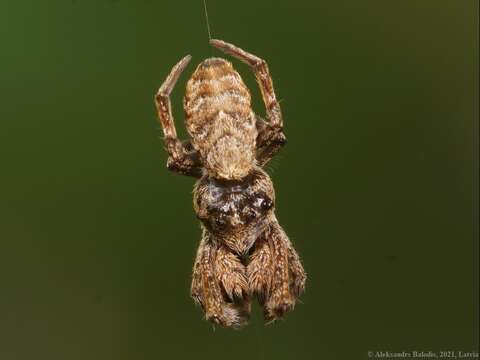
(235, 210)
(244, 252)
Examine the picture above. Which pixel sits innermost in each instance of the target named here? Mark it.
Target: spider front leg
(182, 158)
(260, 270)
(215, 270)
(231, 274)
(270, 137)
(275, 273)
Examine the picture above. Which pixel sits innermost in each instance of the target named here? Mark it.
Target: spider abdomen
(220, 120)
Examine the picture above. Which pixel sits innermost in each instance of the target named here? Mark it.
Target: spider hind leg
(182, 158)
(270, 137)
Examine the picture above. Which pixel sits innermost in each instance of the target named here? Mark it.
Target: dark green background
(376, 186)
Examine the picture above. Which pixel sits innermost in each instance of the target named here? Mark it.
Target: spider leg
(270, 137)
(231, 274)
(182, 158)
(260, 270)
(275, 273)
(207, 282)
(270, 140)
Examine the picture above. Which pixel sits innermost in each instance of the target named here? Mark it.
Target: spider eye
(267, 204)
(263, 203)
(220, 220)
(249, 214)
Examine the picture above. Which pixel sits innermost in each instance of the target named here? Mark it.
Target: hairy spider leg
(270, 138)
(182, 158)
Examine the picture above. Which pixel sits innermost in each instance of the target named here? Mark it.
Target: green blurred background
(376, 187)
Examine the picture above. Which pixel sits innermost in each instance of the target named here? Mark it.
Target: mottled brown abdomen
(220, 120)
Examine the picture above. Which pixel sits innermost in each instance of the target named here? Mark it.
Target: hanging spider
(244, 252)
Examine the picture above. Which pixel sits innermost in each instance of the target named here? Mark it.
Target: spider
(244, 252)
